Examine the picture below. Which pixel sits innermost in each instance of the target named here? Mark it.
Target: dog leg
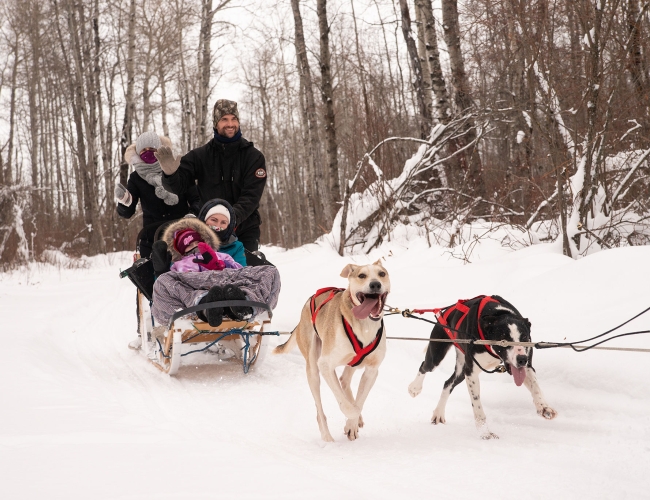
(346, 379)
(313, 377)
(365, 384)
(538, 397)
(349, 409)
(458, 376)
(474, 387)
(436, 352)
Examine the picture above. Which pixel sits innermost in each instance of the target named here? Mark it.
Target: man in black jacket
(227, 167)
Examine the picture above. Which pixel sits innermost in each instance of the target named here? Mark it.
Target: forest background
(534, 114)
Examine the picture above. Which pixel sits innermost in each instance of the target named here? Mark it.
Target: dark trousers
(250, 238)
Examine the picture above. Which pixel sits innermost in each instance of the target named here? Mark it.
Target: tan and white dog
(344, 327)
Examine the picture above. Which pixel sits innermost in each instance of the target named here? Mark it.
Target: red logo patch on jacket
(260, 173)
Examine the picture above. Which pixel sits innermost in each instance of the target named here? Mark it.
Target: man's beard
(223, 133)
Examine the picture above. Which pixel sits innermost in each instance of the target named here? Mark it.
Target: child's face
(190, 248)
(217, 221)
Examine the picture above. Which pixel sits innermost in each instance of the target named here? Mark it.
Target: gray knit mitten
(168, 163)
(122, 195)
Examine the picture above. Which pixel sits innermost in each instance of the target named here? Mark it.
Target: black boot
(214, 315)
(240, 313)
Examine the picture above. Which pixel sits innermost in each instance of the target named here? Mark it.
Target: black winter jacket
(155, 210)
(235, 172)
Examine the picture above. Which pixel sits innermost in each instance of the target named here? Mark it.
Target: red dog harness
(442, 314)
(360, 352)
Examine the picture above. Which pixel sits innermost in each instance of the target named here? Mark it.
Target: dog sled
(187, 339)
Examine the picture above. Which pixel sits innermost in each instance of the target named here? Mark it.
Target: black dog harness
(442, 315)
(360, 352)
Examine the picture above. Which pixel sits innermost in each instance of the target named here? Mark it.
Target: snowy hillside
(83, 417)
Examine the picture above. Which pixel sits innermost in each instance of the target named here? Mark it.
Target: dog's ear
(347, 270)
(527, 321)
(378, 263)
(489, 320)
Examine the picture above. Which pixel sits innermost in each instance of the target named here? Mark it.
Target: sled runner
(192, 341)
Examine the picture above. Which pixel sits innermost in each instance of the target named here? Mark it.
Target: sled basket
(141, 275)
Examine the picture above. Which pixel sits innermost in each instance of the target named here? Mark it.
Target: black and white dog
(491, 318)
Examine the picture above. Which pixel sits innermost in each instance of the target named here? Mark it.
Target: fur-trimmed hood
(130, 156)
(208, 235)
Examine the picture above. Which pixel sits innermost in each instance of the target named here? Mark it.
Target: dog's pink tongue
(519, 374)
(363, 310)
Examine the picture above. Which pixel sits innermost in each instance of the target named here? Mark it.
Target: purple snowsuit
(173, 291)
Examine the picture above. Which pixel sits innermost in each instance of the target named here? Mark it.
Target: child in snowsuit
(191, 245)
(198, 255)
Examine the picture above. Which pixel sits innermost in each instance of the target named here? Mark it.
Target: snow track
(82, 416)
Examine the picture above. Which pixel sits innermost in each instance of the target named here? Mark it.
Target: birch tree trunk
(183, 84)
(105, 135)
(422, 55)
(126, 137)
(594, 81)
(319, 200)
(163, 93)
(204, 58)
(470, 162)
(8, 176)
(327, 95)
(362, 76)
(418, 80)
(33, 76)
(441, 111)
(86, 126)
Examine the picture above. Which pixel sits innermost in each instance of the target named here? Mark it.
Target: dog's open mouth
(370, 305)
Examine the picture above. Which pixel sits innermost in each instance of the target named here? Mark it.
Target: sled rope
(576, 346)
(503, 343)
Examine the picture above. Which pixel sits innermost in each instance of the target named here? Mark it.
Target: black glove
(160, 257)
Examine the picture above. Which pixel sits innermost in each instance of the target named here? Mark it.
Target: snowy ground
(81, 416)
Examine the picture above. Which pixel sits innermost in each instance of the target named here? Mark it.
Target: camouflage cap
(223, 107)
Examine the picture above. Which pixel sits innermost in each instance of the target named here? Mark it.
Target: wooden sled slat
(223, 327)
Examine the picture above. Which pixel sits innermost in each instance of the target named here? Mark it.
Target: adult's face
(217, 221)
(228, 126)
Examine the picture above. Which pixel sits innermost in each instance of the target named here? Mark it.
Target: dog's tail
(288, 345)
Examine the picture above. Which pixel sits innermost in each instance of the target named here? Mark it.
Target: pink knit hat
(184, 238)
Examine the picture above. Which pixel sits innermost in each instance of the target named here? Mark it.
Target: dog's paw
(327, 437)
(360, 421)
(415, 387)
(484, 431)
(547, 412)
(351, 429)
(438, 418)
